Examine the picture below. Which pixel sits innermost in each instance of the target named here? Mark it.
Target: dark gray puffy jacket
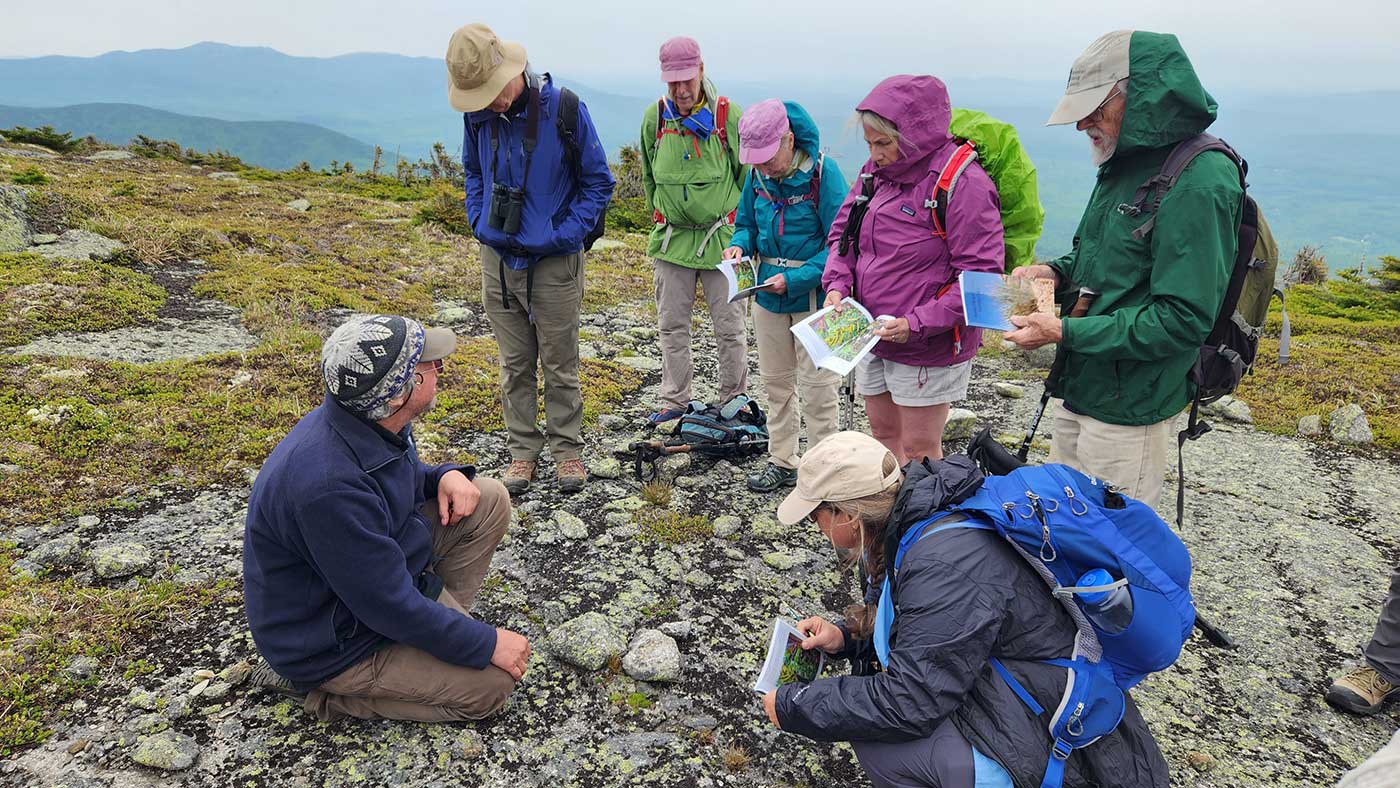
(962, 597)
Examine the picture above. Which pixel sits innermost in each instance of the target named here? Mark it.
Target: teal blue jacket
(804, 222)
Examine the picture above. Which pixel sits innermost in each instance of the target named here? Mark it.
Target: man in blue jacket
(537, 183)
(360, 562)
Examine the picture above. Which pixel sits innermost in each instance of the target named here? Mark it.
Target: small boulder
(60, 553)
(614, 422)
(569, 525)
(961, 423)
(1310, 426)
(300, 204)
(120, 559)
(43, 239)
(607, 468)
(1230, 409)
(1348, 425)
(82, 668)
(224, 176)
(1008, 390)
(640, 363)
(166, 750)
(782, 561)
(453, 316)
(653, 656)
(727, 525)
(680, 630)
(14, 219)
(1040, 358)
(81, 245)
(111, 155)
(587, 641)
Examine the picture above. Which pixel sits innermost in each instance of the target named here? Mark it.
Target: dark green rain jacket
(1127, 360)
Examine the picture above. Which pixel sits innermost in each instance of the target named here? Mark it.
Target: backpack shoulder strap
(722, 119)
(1148, 197)
(965, 155)
(566, 120)
(814, 186)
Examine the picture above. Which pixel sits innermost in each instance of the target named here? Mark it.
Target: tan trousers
(788, 372)
(399, 682)
(1132, 458)
(675, 304)
(549, 340)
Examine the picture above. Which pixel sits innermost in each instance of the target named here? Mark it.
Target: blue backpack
(1064, 524)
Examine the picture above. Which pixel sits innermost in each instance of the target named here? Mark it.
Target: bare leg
(921, 430)
(885, 423)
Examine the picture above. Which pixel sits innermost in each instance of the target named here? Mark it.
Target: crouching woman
(937, 713)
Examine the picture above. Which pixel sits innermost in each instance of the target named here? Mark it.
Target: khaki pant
(550, 341)
(787, 372)
(399, 682)
(675, 303)
(1132, 458)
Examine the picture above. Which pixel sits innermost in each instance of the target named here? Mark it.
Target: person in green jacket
(692, 177)
(789, 201)
(1154, 297)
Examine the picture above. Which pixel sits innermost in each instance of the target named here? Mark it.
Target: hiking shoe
(1361, 691)
(571, 475)
(263, 677)
(518, 476)
(664, 415)
(771, 478)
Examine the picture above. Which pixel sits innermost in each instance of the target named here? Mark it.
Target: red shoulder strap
(660, 117)
(722, 119)
(947, 179)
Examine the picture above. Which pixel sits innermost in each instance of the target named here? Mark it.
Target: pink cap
(680, 59)
(761, 130)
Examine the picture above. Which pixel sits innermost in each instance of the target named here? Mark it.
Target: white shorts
(913, 387)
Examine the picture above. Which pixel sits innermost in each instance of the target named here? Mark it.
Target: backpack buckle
(1128, 209)
(1061, 749)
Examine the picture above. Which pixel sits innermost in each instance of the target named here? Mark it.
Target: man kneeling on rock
(360, 562)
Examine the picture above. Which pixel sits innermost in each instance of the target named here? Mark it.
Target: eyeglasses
(1097, 114)
(436, 364)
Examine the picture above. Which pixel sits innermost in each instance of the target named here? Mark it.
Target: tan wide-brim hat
(843, 467)
(479, 64)
(1092, 77)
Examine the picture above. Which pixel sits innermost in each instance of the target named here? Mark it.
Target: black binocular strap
(531, 141)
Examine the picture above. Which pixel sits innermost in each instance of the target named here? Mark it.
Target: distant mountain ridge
(273, 144)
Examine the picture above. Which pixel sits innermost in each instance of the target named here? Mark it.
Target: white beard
(1102, 149)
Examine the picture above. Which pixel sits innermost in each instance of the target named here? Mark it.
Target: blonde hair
(873, 514)
(880, 125)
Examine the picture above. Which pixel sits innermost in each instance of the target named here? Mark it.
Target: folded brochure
(989, 300)
(786, 661)
(742, 277)
(839, 340)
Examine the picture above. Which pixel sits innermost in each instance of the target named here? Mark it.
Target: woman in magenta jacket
(901, 266)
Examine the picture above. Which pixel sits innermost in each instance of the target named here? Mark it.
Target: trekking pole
(1213, 634)
(848, 401)
(1052, 378)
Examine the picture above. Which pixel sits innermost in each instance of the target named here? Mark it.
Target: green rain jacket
(693, 185)
(1128, 358)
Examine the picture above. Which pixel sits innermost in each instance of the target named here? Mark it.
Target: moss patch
(670, 527)
(43, 296)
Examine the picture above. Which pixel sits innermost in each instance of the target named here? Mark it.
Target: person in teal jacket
(785, 211)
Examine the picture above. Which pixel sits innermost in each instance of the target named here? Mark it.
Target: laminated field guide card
(989, 300)
(839, 340)
(742, 277)
(786, 661)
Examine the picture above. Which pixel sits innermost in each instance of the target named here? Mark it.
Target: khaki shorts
(913, 387)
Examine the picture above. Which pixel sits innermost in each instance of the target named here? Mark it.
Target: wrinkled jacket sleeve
(946, 629)
(974, 244)
(1193, 252)
(347, 531)
(833, 191)
(745, 225)
(471, 170)
(595, 186)
(840, 271)
(646, 149)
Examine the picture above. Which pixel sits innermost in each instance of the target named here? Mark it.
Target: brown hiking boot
(518, 476)
(1361, 691)
(571, 475)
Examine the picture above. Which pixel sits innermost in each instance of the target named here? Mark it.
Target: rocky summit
(133, 437)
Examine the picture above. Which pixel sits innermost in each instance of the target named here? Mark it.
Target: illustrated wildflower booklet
(742, 276)
(989, 300)
(786, 661)
(839, 340)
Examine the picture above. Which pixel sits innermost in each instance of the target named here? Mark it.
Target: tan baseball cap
(437, 343)
(1092, 77)
(479, 64)
(843, 467)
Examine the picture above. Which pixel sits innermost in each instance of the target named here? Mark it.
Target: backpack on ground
(735, 429)
(1065, 524)
(566, 120)
(1228, 352)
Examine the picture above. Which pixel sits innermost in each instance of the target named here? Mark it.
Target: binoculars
(507, 203)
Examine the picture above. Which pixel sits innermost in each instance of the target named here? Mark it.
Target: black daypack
(1228, 352)
(735, 429)
(566, 120)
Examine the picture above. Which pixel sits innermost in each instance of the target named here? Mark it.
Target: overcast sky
(1335, 45)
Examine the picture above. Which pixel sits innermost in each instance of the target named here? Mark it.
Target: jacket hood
(929, 486)
(918, 106)
(804, 130)
(1166, 101)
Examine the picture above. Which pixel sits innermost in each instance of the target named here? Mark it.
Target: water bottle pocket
(1144, 645)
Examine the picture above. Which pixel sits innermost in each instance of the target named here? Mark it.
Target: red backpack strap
(722, 120)
(943, 188)
(660, 118)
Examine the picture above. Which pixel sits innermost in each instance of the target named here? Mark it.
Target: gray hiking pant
(1383, 652)
(943, 759)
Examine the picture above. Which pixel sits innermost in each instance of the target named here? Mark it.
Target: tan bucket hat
(1092, 77)
(479, 64)
(843, 467)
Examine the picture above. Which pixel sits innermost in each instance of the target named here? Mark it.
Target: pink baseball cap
(680, 59)
(761, 130)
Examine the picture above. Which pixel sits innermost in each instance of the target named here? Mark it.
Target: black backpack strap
(850, 234)
(1148, 197)
(567, 122)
